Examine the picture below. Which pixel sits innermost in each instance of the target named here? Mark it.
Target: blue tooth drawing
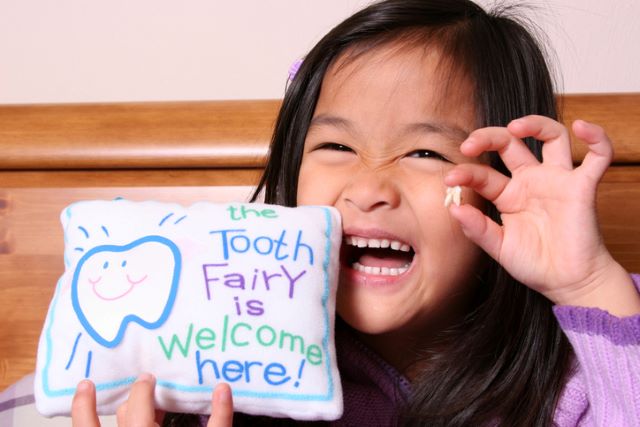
(112, 287)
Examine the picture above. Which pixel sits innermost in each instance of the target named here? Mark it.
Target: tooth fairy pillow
(236, 293)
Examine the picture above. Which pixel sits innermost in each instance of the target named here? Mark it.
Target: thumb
(479, 228)
(221, 407)
(83, 407)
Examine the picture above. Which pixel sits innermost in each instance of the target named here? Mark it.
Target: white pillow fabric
(238, 293)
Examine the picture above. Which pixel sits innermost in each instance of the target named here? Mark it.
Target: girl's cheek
(318, 185)
(427, 189)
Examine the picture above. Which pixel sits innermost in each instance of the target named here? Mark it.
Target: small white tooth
(395, 245)
(368, 270)
(457, 197)
(393, 272)
(453, 195)
(405, 248)
(374, 243)
(362, 243)
(384, 243)
(447, 199)
(357, 266)
(402, 270)
(385, 271)
(375, 270)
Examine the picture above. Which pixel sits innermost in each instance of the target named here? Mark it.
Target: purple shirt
(604, 389)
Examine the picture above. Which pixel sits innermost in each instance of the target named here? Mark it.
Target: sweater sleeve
(605, 389)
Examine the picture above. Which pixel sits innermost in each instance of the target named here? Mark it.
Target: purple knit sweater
(603, 391)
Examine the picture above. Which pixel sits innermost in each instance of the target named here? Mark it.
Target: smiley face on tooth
(114, 285)
(113, 288)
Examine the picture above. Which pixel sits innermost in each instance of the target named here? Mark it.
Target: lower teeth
(385, 271)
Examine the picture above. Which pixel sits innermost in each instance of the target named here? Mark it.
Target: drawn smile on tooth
(392, 257)
(123, 293)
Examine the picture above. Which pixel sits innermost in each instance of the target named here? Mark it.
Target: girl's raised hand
(549, 238)
(139, 410)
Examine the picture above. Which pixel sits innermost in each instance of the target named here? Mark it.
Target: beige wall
(144, 50)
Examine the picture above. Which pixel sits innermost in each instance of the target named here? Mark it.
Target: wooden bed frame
(52, 155)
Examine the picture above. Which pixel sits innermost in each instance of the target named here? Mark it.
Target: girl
(505, 310)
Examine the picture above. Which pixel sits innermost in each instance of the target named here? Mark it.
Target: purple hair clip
(293, 69)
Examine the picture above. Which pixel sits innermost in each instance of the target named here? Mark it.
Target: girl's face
(379, 144)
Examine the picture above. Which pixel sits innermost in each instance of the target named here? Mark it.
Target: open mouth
(384, 257)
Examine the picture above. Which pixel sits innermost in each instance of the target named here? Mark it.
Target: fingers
(479, 229)
(83, 407)
(512, 150)
(600, 152)
(483, 179)
(556, 149)
(139, 409)
(490, 184)
(221, 407)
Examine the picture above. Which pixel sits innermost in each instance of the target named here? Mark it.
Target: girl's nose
(370, 190)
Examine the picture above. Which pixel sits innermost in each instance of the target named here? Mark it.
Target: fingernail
(224, 394)
(85, 385)
(145, 376)
(466, 143)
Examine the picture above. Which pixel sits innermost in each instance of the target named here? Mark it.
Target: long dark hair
(508, 360)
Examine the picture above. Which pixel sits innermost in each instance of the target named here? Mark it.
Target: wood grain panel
(128, 178)
(619, 114)
(136, 135)
(619, 214)
(213, 133)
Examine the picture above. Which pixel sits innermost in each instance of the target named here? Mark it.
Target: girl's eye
(427, 154)
(334, 146)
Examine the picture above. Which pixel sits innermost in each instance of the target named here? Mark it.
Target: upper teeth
(363, 242)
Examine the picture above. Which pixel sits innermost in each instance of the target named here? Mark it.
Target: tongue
(385, 258)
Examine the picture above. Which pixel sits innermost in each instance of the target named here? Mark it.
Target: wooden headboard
(52, 155)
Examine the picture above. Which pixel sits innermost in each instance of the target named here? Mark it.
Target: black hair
(510, 360)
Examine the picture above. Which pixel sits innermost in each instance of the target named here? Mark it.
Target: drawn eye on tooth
(453, 195)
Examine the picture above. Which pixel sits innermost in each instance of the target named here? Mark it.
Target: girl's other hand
(549, 239)
(139, 409)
